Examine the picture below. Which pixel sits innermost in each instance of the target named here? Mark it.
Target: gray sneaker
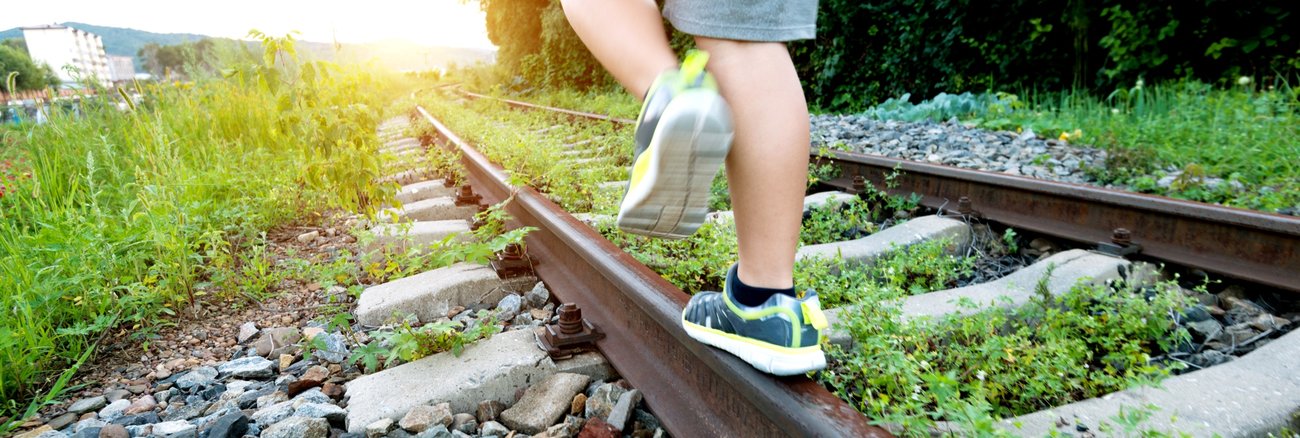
(782, 336)
(683, 135)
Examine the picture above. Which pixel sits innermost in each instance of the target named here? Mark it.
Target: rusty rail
(695, 389)
(1248, 245)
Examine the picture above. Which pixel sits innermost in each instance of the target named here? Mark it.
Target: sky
(454, 23)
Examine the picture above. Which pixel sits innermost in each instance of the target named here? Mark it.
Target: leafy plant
(408, 343)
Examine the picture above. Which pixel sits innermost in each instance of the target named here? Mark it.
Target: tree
(30, 75)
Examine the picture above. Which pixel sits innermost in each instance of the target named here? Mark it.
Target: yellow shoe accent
(755, 342)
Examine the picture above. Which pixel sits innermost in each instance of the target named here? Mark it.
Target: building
(60, 47)
(121, 68)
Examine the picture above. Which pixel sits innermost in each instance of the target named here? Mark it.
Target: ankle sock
(750, 295)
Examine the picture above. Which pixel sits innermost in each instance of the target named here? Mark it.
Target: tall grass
(111, 229)
(1242, 133)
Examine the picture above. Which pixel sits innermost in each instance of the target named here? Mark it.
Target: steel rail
(1244, 244)
(695, 389)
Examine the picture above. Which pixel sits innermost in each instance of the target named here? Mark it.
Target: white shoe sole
(672, 199)
(764, 359)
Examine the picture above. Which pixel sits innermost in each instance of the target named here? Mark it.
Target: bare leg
(627, 36)
(767, 168)
(768, 164)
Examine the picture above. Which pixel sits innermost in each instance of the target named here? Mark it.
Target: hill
(395, 54)
(119, 40)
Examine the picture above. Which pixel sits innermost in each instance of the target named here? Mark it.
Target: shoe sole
(766, 358)
(672, 199)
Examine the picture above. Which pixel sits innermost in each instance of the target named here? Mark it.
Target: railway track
(697, 390)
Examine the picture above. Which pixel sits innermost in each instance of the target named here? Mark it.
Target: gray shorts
(744, 20)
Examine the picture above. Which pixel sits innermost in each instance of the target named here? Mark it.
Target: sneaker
(682, 137)
(782, 336)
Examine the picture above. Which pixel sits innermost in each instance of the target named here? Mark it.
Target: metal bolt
(859, 184)
(964, 206)
(570, 319)
(512, 252)
(1121, 236)
(466, 191)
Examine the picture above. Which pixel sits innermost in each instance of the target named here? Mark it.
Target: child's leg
(767, 168)
(627, 36)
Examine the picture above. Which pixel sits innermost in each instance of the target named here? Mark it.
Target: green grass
(1242, 133)
(122, 211)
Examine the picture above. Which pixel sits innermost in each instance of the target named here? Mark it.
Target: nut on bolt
(570, 335)
(1121, 236)
(467, 196)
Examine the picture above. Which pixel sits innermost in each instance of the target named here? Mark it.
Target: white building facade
(60, 46)
(121, 68)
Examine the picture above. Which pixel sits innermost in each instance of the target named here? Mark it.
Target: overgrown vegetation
(974, 370)
(1232, 146)
(119, 215)
(568, 162)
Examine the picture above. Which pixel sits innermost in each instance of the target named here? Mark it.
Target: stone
(89, 432)
(521, 320)
(62, 421)
(89, 423)
(508, 307)
(602, 402)
(113, 410)
(314, 377)
(490, 369)
(329, 412)
(114, 431)
(246, 332)
(579, 405)
(332, 349)
(309, 236)
(273, 414)
(286, 360)
(35, 432)
(310, 396)
(380, 427)
(88, 404)
(137, 419)
(232, 425)
(113, 395)
(492, 428)
(464, 423)
(429, 295)
(568, 429)
(298, 427)
(252, 367)
(175, 429)
(272, 398)
(140, 430)
(276, 341)
(333, 390)
(310, 333)
(1207, 329)
(544, 403)
(489, 410)
(142, 404)
(197, 378)
(624, 410)
(423, 417)
(596, 428)
(538, 296)
(437, 431)
(1264, 321)
(185, 411)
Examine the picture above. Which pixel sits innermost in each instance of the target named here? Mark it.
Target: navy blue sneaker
(781, 336)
